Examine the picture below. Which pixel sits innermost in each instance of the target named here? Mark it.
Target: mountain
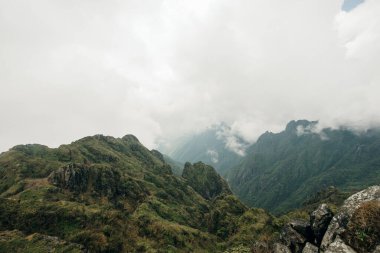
(176, 166)
(281, 170)
(105, 194)
(203, 179)
(211, 147)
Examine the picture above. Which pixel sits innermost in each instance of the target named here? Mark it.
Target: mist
(164, 69)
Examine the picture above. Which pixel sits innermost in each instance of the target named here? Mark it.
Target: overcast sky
(161, 68)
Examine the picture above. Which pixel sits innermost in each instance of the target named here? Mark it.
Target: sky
(161, 69)
(349, 5)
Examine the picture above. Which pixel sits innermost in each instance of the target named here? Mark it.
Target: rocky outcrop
(303, 228)
(319, 221)
(310, 248)
(292, 239)
(377, 250)
(82, 178)
(204, 180)
(355, 228)
(338, 224)
(99, 181)
(338, 246)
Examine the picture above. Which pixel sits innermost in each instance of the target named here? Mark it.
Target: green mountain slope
(105, 194)
(281, 170)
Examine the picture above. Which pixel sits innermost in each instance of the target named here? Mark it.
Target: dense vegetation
(280, 171)
(108, 194)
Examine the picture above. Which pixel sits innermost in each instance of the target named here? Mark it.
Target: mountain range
(105, 194)
(282, 170)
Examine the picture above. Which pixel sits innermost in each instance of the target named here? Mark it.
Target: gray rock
(292, 239)
(319, 221)
(310, 248)
(339, 222)
(303, 228)
(280, 248)
(338, 246)
(377, 250)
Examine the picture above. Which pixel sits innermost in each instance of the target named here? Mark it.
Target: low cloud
(162, 69)
(232, 140)
(214, 156)
(313, 128)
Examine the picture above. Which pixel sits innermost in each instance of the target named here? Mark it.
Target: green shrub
(363, 229)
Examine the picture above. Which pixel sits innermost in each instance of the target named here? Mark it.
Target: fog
(160, 69)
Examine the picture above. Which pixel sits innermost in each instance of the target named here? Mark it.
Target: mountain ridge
(106, 194)
(281, 170)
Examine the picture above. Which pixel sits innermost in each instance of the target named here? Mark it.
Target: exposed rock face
(72, 177)
(355, 228)
(303, 228)
(338, 246)
(81, 178)
(339, 222)
(204, 180)
(377, 250)
(292, 239)
(310, 248)
(98, 181)
(319, 221)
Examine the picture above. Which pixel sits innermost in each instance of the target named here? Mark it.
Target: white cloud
(214, 155)
(159, 69)
(232, 139)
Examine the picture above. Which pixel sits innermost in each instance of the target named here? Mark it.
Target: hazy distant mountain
(177, 167)
(211, 147)
(281, 170)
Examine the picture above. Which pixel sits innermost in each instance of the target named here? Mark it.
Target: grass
(363, 229)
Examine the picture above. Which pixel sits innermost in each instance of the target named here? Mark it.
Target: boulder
(338, 225)
(377, 250)
(338, 246)
(310, 248)
(319, 221)
(280, 248)
(303, 228)
(292, 239)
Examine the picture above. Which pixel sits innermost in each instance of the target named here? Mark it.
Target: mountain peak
(205, 180)
(131, 138)
(294, 124)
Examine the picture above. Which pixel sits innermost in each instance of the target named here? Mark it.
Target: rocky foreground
(354, 228)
